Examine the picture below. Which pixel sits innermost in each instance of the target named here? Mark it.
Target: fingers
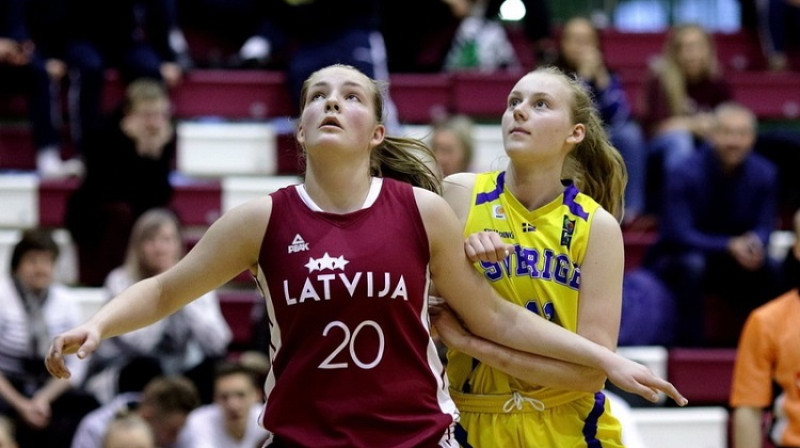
(55, 359)
(672, 392)
(88, 347)
(486, 246)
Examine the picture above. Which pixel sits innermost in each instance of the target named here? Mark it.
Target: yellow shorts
(582, 423)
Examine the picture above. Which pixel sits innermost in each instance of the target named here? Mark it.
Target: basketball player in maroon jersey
(345, 260)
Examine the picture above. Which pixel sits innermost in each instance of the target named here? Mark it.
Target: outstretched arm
(229, 246)
(489, 316)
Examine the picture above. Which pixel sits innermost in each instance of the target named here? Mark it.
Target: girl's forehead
(339, 75)
(546, 83)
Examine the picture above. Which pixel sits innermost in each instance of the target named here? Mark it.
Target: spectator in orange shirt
(768, 353)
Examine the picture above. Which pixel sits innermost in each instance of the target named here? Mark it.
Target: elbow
(593, 381)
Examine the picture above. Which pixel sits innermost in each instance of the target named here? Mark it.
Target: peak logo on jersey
(298, 245)
(528, 227)
(326, 262)
(567, 230)
(498, 212)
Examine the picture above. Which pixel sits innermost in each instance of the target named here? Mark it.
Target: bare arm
(230, 246)
(747, 427)
(489, 316)
(533, 369)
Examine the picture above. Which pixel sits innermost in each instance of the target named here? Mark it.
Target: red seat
(419, 96)
(703, 375)
(237, 306)
(482, 95)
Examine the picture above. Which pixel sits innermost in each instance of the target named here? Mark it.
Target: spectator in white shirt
(35, 308)
(189, 342)
(164, 405)
(232, 420)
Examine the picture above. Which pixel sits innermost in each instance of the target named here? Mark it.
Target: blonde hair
(144, 90)
(7, 426)
(143, 229)
(126, 421)
(406, 159)
(594, 164)
(668, 70)
(461, 126)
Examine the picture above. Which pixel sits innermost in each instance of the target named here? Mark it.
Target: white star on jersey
(326, 262)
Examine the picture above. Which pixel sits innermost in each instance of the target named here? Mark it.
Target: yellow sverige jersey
(542, 274)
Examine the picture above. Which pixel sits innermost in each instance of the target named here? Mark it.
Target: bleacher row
(218, 170)
(260, 95)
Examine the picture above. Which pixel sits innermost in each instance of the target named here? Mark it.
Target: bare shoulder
(606, 232)
(604, 223)
(457, 191)
(245, 223)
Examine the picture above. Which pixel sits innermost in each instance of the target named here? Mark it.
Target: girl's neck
(534, 186)
(338, 190)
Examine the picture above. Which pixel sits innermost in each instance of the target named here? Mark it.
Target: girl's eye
(317, 96)
(353, 96)
(540, 103)
(513, 102)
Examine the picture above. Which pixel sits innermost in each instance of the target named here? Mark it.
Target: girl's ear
(377, 136)
(300, 135)
(577, 134)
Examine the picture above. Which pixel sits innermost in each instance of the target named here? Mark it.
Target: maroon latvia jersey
(353, 363)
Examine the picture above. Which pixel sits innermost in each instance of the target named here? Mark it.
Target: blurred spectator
(232, 420)
(7, 439)
(580, 54)
(189, 342)
(31, 62)
(422, 51)
(131, 36)
(128, 163)
(480, 42)
(313, 34)
(684, 86)
(216, 29)
(790, 271)
(768, 355)
(718, 214)
(538, 28)
(779, 20)
(164, 405)
(45, 410)
(452, 143)
(128, 431)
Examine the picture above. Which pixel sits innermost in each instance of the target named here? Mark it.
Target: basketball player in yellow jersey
(548, 247)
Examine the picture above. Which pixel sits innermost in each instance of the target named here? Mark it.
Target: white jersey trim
(372, 195)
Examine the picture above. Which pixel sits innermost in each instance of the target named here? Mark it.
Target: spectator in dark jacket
(128, 162)
(719, 211)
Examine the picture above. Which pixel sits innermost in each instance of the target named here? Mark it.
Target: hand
(34, 413)
(172, 73)
(747, 250)
(81, 340)
(486, 246)
(56, 68)
(636, 378)
(590, 64)
(448, 327)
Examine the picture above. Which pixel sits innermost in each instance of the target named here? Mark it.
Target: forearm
(138, 306)
(9, 393)
(53, 389)
(534, 369)
(747, 427)
(518, 328)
